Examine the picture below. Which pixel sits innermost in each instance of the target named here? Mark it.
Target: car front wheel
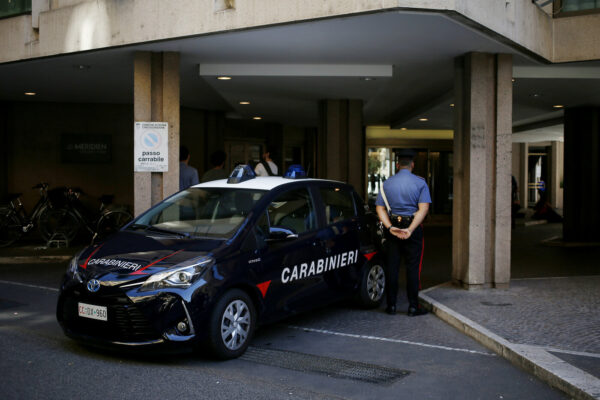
(232, 325)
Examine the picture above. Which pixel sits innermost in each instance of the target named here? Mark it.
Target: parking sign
(151, 147)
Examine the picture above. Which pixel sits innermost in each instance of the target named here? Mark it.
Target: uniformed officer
(408, 197)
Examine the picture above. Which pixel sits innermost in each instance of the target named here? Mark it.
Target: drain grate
(333, 367)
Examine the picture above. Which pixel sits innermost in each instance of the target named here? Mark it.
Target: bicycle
(15, 221)
(67, 221)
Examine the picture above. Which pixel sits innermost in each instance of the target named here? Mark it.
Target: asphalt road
(336, 352)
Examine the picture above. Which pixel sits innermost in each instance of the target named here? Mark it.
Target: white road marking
(28, 285)
(575, 353)
(382, 339)
(34, 259)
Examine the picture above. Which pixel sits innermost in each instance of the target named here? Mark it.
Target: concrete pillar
(520, 159)
(582, 174)
(482, 169)
(556, 173)
(156, 98)
(214, 129)
(274, 140)
(341, 142)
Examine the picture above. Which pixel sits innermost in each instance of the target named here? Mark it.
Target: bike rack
(58, 239)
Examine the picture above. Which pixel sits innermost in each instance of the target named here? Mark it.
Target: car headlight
(180, 276)
(73, 269)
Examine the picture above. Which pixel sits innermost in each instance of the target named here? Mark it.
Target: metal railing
(11, 8)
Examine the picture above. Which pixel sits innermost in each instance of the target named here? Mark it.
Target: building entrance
(537, 174)
(242, 153)
(434, 166)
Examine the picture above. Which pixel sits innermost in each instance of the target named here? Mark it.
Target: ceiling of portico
(419, 49)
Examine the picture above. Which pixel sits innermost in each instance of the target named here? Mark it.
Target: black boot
(414, 312)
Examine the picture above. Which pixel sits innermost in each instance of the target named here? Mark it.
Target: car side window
(338, 203)
(293, 210)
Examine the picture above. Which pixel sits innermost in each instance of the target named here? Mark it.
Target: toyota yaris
(209, 264)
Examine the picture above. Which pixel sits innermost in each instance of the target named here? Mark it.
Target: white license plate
(93, 312)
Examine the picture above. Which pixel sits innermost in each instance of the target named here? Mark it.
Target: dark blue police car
(211, 263)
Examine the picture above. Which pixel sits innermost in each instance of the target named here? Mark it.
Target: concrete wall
(72, 25)
(576, 38)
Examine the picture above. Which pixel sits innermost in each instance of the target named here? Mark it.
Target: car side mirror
(277, 233)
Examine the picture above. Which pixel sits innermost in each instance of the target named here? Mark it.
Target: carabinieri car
(209, 264)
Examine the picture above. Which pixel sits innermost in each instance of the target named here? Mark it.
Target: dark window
(293, 210)
(338, 204)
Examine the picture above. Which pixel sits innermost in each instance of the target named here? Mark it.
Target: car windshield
(203, 212)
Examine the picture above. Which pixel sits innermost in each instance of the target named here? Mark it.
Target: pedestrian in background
(188, 176)
(402, 205)
(266, 167)
(217, 161)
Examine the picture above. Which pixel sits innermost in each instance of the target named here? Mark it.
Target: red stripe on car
(139, 272)
(368, 256)
(263, 287)
(84, 266)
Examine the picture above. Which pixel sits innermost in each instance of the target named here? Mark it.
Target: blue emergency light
(241, 173)
(295, 171)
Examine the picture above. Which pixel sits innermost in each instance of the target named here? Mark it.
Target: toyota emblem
(93, 285)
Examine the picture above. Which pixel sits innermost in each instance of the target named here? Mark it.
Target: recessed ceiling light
(245, 103)
(256, 118)
(423, 119)
(82, 66)
(224, 78)
(513, 79)
(536, 95)
(558, 106)
(30, 93)
(367, 78)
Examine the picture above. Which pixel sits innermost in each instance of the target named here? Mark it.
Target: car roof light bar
(295, 171)
(241, 173)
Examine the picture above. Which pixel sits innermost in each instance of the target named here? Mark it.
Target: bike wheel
(10, 227)
(112, 221)
(58, 223)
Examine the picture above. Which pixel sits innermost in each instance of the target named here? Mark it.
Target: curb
(549, 368)
(34, 259)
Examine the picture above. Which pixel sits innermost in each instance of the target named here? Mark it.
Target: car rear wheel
(232, 325)
(372, 286)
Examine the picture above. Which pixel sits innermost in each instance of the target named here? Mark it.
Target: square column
(341, 143)
(520, 162)
(156, 98)
(481, 230)
(582, 174)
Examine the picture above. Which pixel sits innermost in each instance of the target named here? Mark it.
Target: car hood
(129, 256)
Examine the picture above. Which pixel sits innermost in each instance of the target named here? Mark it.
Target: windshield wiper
(159, 230)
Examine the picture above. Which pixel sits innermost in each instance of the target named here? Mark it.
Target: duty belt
(401, 221)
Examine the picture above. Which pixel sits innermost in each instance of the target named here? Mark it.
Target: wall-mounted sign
(85, 149)
(151, 147)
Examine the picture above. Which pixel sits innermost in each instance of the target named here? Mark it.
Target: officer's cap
(406, 153)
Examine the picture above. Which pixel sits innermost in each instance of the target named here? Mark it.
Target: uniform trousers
(411, 250)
